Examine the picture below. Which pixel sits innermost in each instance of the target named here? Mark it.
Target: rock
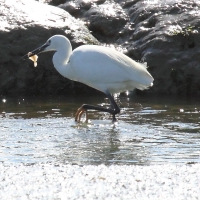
(54, 2)
(24, 26)
(163, 34)
(106, 21)
(76, 8)
(166, 36)
(72, 8)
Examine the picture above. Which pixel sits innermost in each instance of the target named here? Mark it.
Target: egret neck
(61, 59)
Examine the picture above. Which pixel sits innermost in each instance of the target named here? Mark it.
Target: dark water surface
(150, 130)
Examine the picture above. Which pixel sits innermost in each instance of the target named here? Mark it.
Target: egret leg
(79, 114)
(113, 110)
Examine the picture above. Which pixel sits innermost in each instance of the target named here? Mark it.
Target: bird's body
(106, 69)
(102, 68)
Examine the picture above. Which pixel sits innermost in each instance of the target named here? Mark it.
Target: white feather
(102, 68)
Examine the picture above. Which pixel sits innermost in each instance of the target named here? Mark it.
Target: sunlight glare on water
(149, 131)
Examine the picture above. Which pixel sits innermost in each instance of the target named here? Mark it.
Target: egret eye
(49, 42)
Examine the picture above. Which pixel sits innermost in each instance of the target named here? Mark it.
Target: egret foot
(113, 110)
(79, 114)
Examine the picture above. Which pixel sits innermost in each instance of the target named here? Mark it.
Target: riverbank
(50, 181)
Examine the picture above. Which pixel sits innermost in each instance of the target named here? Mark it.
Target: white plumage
(106, 69)
(102, 68)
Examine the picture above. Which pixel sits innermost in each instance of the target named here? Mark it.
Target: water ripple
(147, 133)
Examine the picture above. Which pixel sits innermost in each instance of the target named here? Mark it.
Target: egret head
(52, 44)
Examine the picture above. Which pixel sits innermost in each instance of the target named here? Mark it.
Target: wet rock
(163, 34)
(76, 8)
(55, 2)
(82, 3)
(106, 21)
(72, 8)
(23, 27)
(166, 36)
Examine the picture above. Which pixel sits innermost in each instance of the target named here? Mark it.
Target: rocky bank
(164, 34)
(25, 25)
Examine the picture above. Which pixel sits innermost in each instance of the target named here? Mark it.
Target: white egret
(102, 68)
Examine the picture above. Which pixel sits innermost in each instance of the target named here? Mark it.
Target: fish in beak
(33, 54)
(36, 51)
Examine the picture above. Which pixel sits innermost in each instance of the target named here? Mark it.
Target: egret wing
(94, 65)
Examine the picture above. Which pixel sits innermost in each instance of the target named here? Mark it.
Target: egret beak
(36, 51)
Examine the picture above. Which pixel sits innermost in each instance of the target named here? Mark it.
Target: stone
(25, 25)
(106, 20)
(166, 36)
(76, 8)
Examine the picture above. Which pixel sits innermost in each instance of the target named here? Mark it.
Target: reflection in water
(149, 131)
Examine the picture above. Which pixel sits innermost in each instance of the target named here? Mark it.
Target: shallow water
(150, 130)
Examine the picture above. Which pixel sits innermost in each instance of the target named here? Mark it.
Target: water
(150, 130)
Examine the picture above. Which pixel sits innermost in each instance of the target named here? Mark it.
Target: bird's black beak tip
(35, 52)
(26, 56)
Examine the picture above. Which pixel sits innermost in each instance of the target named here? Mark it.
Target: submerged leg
(113, 110)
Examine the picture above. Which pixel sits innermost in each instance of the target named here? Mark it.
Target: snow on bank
(48, 181)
